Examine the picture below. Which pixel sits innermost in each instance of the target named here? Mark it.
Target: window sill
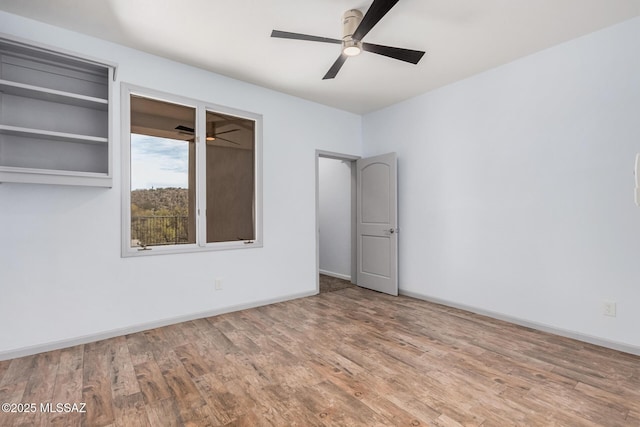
(184, 249)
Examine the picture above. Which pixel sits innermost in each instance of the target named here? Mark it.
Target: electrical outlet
(609, 308)
(218, 284)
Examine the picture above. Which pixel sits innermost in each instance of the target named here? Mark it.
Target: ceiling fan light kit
(354, 27)
(351, 47)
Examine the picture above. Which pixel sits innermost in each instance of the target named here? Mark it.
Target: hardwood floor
(347, 358)
(332, 284)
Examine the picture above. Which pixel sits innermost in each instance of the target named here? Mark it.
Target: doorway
(369, 188)
(335, 220)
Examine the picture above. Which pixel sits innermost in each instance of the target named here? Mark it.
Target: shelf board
(52, 95)
(50, 135)
(54, 176)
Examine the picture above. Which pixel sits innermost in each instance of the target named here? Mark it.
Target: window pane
(162, 173)
(230, 178)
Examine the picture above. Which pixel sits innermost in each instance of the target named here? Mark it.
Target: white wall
(334, 181)
(61, 274)
(516, 187)
(516, 197)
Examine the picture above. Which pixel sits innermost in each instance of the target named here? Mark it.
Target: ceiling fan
(355, 27)
(211, 134)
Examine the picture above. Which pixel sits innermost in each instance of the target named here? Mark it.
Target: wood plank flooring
(347, 358)
(332, 284)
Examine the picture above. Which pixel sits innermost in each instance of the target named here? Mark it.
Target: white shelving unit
(54, 117)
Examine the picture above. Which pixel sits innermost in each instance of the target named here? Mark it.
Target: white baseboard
(627, 348)
(85, 339)
(336, 275)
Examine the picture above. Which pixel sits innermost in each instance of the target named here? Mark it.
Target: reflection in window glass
(162, 208)
(193, 175)
(230, 178)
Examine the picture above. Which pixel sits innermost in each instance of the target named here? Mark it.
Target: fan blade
(228, 140)
(406, 55)
(376, 12)
(184, 128)
(226, 131)
(297, 36)
(238, 122)
(333, 71)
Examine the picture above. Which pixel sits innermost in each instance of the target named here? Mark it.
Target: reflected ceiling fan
(355, 27)
(211, 134)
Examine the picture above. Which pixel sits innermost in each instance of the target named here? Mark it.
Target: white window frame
(201, 108)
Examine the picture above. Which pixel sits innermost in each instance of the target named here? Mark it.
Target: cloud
(159, 162)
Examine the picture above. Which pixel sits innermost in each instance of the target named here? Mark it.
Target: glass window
(191, 176)
(162, 162)
(230, 178)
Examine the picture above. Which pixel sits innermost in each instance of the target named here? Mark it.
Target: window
(191, 175)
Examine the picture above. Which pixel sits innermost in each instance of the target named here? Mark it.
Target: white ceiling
(232, 37)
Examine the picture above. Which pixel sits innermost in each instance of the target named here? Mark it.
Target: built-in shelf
(51, 176)
(54, 116)
(50, 135)
(51, 95)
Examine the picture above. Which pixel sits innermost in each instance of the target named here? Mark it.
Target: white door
(377, 228)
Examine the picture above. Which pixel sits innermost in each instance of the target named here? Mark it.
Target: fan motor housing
(350, 21)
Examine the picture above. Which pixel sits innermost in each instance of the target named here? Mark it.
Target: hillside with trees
(159, 216)
(160, 202)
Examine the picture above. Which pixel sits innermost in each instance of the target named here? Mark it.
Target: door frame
(354, 247)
